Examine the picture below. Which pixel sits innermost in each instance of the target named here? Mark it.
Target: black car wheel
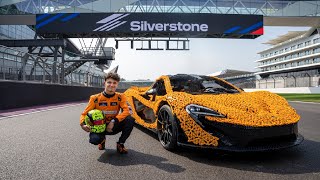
(167, 128)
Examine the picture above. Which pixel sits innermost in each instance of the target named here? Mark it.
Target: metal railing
(99, 52)
(39, 69)
(261, 7)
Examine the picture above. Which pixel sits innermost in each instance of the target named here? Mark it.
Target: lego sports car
(208, 112)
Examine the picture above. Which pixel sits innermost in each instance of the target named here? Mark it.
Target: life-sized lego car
(208, 112)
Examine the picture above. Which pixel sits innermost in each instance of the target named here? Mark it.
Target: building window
(308, 52)
(307, 61)
(316, 40)
(293, 47)
(307, 43)
(300, 45)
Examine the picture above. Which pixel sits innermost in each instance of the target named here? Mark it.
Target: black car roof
(185, 77)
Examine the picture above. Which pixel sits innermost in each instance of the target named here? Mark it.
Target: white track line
(305, 102)
(37, 111)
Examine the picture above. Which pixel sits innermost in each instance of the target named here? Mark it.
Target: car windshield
(195, 84)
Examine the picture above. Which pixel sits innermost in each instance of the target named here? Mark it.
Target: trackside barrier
(288, 82)
(307, 90)
(16, 94)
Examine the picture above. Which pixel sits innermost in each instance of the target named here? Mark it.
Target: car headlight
(196, 110)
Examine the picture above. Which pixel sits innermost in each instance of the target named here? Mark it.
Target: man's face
(111, 86)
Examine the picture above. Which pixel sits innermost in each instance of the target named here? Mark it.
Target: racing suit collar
(108, 95)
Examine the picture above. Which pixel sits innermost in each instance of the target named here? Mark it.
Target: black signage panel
(199, 25)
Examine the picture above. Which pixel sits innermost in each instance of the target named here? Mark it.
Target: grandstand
(242, 79)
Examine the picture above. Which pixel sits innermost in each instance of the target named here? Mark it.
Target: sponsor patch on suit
(113, 103)
(110, 112)
(103, 104)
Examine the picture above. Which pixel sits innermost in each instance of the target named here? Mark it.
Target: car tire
(167, 128)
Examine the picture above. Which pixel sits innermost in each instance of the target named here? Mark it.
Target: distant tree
(122, 79)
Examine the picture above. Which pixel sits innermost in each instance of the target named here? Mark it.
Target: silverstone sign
(145, 26)
(148, 24)
(113, 21)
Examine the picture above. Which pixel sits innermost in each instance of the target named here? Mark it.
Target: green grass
(302, 97)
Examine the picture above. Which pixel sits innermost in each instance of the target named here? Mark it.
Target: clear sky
(205, 56)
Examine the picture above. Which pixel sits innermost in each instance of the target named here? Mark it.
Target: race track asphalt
(51, 145)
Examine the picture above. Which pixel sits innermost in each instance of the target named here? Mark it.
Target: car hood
(256, 109)
(140, 90)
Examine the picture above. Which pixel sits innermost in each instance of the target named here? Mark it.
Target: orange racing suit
(110, 105)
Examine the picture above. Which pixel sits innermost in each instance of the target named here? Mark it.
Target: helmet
(95, 119)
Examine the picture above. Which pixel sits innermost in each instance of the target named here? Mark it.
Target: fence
(243, 82)
(286, 82)
(251, 84)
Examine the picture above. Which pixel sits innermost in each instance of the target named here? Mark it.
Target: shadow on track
(301, 159)
(147, 131)
(297, 160)
(111, 156)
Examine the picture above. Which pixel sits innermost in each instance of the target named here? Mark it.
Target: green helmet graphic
(95, 119)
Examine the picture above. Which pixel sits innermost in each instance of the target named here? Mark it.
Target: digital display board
(193, 25)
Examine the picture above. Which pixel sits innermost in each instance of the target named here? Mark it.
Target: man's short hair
(113, 76)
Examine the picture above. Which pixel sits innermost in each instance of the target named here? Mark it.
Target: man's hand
(86, 128)
(110, 127)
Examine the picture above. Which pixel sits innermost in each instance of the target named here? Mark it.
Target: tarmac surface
(51, 145)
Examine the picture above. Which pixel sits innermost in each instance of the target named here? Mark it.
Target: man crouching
(109, 102)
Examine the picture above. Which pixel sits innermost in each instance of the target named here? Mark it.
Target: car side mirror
(151, 91)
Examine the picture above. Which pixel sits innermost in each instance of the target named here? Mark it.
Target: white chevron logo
(111, 22)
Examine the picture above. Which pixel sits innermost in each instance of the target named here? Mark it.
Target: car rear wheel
(167, 128)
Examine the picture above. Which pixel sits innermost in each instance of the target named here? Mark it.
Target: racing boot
(121, 149)
(102, 145)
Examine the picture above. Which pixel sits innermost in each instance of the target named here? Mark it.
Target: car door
(144, 111)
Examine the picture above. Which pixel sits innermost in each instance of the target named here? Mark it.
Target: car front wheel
(167, 128)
